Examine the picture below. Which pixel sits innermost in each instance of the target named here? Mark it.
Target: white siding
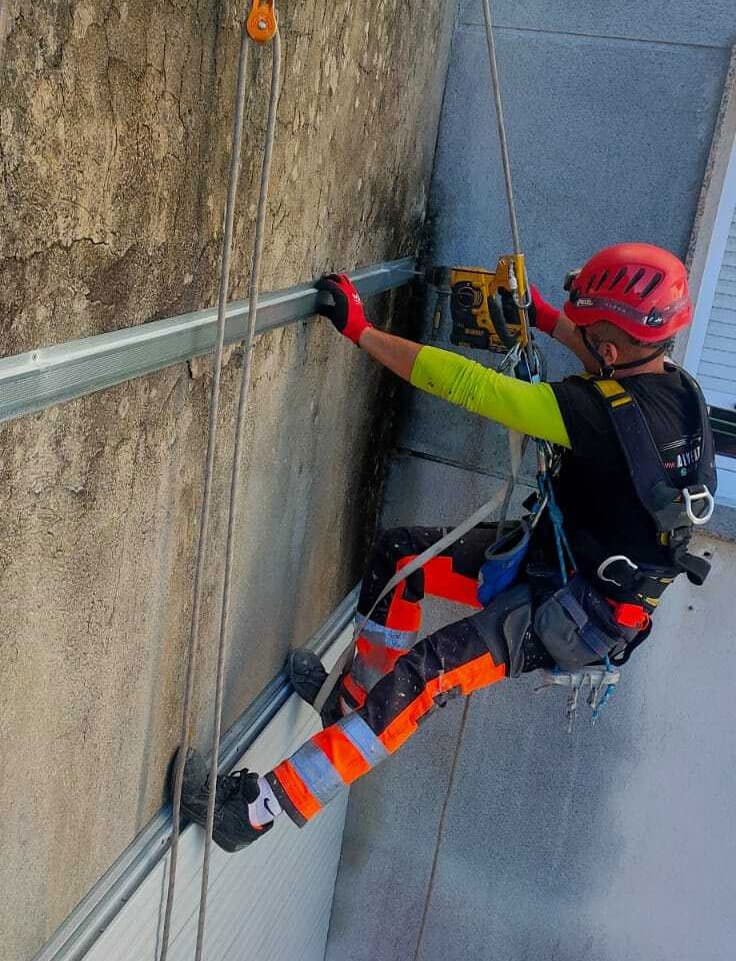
(716, 369)
(726, 467)
(711, 345)
(270, 902)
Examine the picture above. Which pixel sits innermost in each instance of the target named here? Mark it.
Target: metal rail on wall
(37, 379)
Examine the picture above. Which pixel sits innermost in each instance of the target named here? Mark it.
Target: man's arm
(396, 353)
(565, 332)
(529, 408)
(549, 320)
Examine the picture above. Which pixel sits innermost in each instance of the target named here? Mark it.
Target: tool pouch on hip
(577, 627)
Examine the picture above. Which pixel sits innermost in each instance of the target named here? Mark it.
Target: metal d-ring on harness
(260, 27)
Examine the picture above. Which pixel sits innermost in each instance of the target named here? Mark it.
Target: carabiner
(614, 559)
(261, 22)
(699, 495)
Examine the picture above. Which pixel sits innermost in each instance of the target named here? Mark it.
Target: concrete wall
(617, 843)
(114, 133)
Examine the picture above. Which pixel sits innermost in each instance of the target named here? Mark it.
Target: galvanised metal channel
(74, 938)
(32, 381)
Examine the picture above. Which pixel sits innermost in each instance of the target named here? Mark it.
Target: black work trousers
(396, 680)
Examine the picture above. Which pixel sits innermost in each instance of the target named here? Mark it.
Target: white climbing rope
(235, 478)
(513, 440)
(503, 140)
(193, 646)
(3, 29)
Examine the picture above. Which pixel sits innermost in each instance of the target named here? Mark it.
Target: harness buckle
(698, 495)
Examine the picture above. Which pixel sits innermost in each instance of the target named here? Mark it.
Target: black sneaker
(232, 829)
(307, 675)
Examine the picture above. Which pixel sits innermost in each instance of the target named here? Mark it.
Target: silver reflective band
(389, 637)
(40, 378)
(317, 771)
(358, 732)
(699, 495)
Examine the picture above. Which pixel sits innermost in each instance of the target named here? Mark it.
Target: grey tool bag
(577, 626)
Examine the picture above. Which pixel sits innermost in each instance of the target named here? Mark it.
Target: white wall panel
(717, 365)
(270, 902)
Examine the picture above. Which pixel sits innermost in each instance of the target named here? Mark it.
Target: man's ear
(609, 352)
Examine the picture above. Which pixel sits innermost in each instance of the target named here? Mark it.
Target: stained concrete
(114, 133)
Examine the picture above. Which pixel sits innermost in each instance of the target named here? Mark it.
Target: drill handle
(499, 323)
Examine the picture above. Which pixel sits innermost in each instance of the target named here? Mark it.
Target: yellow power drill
(469, 290)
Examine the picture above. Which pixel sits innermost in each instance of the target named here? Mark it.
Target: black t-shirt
(603, 515)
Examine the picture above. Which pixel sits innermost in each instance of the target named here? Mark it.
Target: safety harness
(674, 511)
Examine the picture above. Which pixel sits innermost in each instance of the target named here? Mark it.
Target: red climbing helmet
(638, 287)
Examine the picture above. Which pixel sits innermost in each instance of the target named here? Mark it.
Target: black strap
(660, 498)
(707, 464)
(608, 370)
(647, 472)
(620, 659)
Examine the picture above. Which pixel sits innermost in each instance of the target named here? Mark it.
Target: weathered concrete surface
(114, 127)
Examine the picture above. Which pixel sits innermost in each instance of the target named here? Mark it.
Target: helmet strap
(608, 370)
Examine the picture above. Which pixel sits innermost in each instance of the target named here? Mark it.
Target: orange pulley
(261, 22)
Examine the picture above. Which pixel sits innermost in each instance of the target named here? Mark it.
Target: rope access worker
(636, 471)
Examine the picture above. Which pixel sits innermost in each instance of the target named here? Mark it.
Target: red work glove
(347, 313)
(542, 314)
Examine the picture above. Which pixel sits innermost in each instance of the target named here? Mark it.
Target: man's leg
(458, 659)
(394, 626)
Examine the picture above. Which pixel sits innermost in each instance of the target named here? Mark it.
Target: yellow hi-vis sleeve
(528, 408)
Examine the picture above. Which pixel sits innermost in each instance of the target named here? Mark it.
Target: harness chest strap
(674, 511)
